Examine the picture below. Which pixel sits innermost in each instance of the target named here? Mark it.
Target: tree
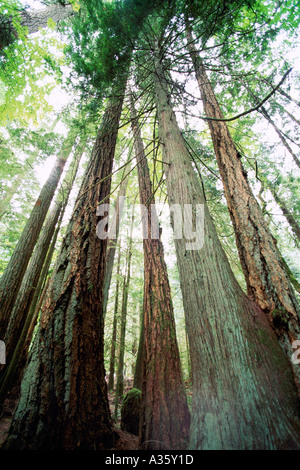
(165, 418)
(267, 282)
(66, 383)
(12, 277)
(235, 391)
(110, 385)
(31, 20)
(19, 315)
(125, 292)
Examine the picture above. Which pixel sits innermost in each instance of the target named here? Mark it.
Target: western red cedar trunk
(18, 319)
(114, 332)
(267, 281)
(165, 418)
(63, 402)
(12, 277)
(244, 396)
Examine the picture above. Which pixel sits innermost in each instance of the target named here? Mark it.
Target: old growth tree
(230, 313)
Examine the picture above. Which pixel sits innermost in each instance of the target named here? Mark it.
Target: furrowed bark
(12, 277)
(267, 282)
(63, 402)
(165, 418)
(244, 396)
(20, 311)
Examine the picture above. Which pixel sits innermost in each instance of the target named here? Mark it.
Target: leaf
(51, 24)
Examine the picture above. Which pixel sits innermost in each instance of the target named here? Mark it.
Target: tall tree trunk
(30, 281)
(165, 418)
(244, 396)
(267, 282)
(63, 402)
(12, 277)
(112, 244)
(126, 283)
(114, 332)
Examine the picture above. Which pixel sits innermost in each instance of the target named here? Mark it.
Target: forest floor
(126, 440)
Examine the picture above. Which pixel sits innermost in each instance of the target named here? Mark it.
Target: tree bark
(30, 281)
(63, 402)
(12, 277)
(165, 418)
(267, 282)
(244, 396)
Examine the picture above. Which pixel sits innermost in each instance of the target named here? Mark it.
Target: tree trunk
(114, 332)
(112, 244)
(12, 277)
(5, 201)
(244, 396)
(165, 418)
(63, 402)
(30, 281)
(264, 112)
(267, 282)
(32, 20)
(138, 373)
(288, 215)
(126, 283)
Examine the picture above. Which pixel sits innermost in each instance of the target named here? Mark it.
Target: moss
(130, 411)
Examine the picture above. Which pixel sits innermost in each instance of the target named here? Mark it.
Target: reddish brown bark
(16, 331)
(63, 402)
(165, 417)
(267, 281)
(244, 396)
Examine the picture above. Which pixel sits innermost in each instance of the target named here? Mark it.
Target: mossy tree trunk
(63, 402)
